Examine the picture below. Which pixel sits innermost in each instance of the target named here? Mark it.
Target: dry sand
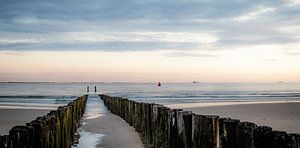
(12, 117)
(279, 116)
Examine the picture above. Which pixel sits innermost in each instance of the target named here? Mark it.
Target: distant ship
(159, 84)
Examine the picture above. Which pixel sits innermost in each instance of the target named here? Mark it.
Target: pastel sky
(150, 40)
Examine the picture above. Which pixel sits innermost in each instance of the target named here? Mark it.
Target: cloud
(100, 46)
(14, 53)
(188, 54)
(113, 25)
(254, 14)
(270, 60)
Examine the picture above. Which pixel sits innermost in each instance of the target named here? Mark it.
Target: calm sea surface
(43, 94)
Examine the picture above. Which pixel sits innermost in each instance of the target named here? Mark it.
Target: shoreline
(33, 106)
(229, 103)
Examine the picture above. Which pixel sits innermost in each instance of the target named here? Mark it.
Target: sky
(150, 40)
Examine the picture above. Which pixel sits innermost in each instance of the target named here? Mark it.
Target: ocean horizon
(53, 94)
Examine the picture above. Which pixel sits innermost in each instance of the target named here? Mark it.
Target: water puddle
(89, 140)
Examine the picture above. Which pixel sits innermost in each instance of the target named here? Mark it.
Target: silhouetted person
(87, 89)
(95, 89)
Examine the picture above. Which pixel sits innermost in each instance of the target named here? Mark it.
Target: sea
(45, 94)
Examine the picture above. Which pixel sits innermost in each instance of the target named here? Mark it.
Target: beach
(114, 131)
(12, 117)
(100, 128)
(283, 116)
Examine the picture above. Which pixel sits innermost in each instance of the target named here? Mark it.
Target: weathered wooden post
(55, 127)
(6, 142)
(229, 133)
(205, 131)
(21, 137)
(155, 124)
(62, 125)
(41, 132)
(67, 126)
(173, 128)
(294, 141)
(280, 139)
(263, 137)
(162, 126)
(246, 134)
(73, 121)
(149, 130)
(184, 127)
(130, 112)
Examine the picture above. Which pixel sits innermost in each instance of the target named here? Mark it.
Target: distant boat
(159, 84)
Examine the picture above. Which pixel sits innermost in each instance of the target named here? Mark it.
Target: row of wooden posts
(55, 130)
(162, 127)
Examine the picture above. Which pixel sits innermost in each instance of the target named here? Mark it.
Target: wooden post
(6, 142)
(229, 133)
(205, 131)
(55, 127)
(280, 139)
(294, 141)
(184, 127)
(21, 137)
(263, 137)
(173, 128)
(246, 134)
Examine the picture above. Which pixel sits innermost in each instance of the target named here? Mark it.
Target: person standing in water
(87, 89)
(95, 89)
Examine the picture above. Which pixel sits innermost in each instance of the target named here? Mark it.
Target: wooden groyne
(162, 127)
(55, 130)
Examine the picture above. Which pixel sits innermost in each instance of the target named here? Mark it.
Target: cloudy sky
(150, 40)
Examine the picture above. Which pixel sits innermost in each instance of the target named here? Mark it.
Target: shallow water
(89, 140)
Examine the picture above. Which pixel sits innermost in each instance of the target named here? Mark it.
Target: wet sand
(107, 129)
(117, 133)
(12, 117)
(279, 116)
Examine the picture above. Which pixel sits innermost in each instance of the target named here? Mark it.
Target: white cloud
(293, 29)
(254, 14)
(292, 3)
(4, 41)
(144, 36)
(27, 21)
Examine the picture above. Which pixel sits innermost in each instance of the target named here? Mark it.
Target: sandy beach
(278, 115)
(12, 117)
